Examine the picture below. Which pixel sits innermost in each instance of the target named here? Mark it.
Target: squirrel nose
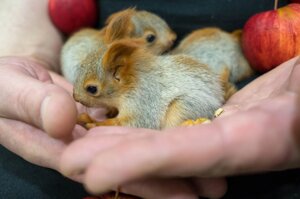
(172, 41)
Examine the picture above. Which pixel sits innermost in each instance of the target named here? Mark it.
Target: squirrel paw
(90, 125)
(200, 120)
(84, 118)
(86, 121)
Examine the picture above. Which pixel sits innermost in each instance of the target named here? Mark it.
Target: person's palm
(35, 111)
(259, 131)
(268, 86)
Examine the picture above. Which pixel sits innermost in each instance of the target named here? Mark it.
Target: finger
(263, 86)
(81, 152)
(87, 148)
(57, 112)
(230, 145)
(96, 113)
(59, 80)
(294, 78)
(32, 99)
(153, 188)
(294, 90)
(211, 187)
(30, 143)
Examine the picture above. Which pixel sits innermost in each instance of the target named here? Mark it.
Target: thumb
(28, 95)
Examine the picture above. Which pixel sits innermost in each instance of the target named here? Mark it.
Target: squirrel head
(114, 77)
(155, 31)
(144, 25)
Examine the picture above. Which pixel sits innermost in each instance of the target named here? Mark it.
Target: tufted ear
(119, 25)
(119, 54)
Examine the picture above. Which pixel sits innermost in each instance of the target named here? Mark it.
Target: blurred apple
(272, 37)
(71, 15)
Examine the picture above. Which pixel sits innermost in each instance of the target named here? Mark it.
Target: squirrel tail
(228, 88)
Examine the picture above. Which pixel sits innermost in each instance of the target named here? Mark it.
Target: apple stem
(275, 4)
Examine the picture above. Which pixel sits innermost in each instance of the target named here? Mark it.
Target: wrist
(28, 32)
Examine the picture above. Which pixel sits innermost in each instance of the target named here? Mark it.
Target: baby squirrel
(220, 50)
(148, 90)
(129, 23)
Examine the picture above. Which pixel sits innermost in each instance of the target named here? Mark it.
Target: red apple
(272, 37)
(71, 15)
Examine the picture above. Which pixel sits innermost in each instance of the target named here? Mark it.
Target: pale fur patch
(77, 49)
(219, 50)
(197, 92)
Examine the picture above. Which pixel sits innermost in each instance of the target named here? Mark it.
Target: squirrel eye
(150, 38)
(116, 74)
(92, 89)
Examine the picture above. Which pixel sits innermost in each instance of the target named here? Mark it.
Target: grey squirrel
(149, 91)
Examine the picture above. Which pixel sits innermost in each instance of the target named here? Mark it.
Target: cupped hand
(259, 131)
(37, 115)
(81, 153)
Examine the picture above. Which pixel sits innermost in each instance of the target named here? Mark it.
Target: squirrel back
(219, 50)
(150, 91)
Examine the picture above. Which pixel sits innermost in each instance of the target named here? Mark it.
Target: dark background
(184, 16)
(20, 179)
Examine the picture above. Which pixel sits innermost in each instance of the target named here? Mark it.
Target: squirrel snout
(170, 43)
(76, 97)
(172, 39)
(81, 99)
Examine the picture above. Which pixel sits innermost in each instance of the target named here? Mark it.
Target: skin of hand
(37, 112)
(34, 112)
(27, 31)
(35, 108)
(258, 131)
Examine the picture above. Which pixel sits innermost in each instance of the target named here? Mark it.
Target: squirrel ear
(119, 25)
(119, 53)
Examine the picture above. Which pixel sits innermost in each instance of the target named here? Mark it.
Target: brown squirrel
(132, 23)
(148, 90)
(129, 23)
(218, 49)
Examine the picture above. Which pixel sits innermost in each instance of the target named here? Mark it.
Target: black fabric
(184, 16)
(20, 179)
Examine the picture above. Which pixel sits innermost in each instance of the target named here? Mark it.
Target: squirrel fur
(218, 49)
(129, 23)
(149, 91)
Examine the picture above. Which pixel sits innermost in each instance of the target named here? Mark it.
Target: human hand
(34, 108)
(259, 131)
(34, 111)
(82, 152)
